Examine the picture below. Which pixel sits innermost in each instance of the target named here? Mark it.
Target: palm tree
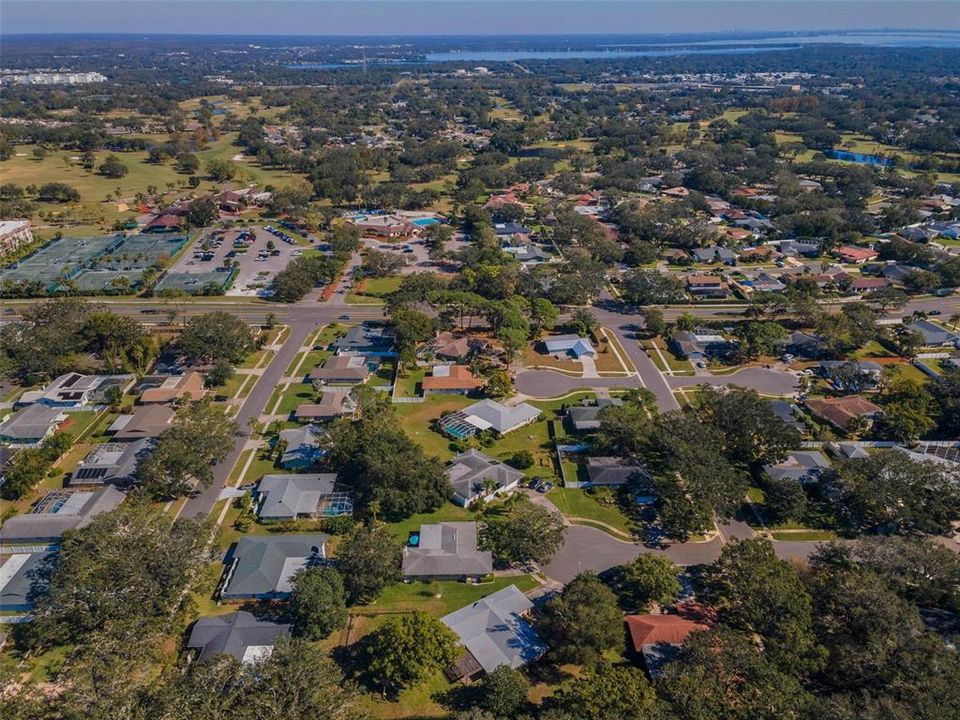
(954, 320)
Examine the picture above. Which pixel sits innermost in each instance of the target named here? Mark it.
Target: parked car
(545, 487)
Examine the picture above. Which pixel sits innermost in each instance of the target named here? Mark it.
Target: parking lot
(246, 248)
(413, 251)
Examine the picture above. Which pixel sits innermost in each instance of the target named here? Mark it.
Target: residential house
(495, 631)
(850, 375)
(113, 463)
(288, 497)
(527, 254)
(917, 233)
(330, 405)
(446, 551)
(866, 284)
(933, 335)
(696, 346)
(765, 282)
(795, 248)
(851, 451)
(789, 413)
(475, 476)
(510, 228)
(301, 447)
(342, 370)
(586, 416)
(74, 390)
(147, 421)
(843, 412)
(706, 286)
(488, 415)
(450, 380)
(805, 345)
(658, 639)
(897, 272)
(800, 466)
(169, 388)
(855, 255)
(449, 346)
(23, 579)
(616, 472)
(238, 634)
(573, 345)
(30, 426)
(56, 513)
(371, 341)
(261, 567)
(714, 254)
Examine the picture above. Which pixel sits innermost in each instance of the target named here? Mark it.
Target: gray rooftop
(614, 471)
(22, 579)
(447, 549)
(264, 565)
(587, 417)
(494, 631)
(115, 462)
(490, 414)
(58, 512)
(30, 424)
(238, 634)
(288, 496)
(800, 465)
(468, 470)
(302, 445)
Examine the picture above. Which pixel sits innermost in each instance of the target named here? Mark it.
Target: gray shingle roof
(30, 424)
(264, 565)
(489, 414)
(494, 631)
(76, 511)
(238, 634)
(447, 549)
(468, 470)
(288, 496)
(799, 466)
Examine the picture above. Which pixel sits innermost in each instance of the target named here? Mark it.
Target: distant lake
(861, 158)
(612, 54)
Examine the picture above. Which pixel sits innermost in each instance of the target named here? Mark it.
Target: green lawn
(409, 384)
(448, 512)
(77, 423)
(576, 502)
(372, 290)
(93, 214)
(407, 597)
(295, 395)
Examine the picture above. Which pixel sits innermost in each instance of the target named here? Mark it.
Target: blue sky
(402, 17)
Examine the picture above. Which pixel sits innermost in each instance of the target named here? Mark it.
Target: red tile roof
(652, 629)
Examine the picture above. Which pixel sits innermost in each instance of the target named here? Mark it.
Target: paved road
(764, 381)
(201, 503)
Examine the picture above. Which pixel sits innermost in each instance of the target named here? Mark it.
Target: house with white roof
(495, 632)
(488, 415)
(572, 345)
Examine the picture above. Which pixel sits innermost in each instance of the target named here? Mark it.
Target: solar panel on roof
(90, 473)
(71, 381)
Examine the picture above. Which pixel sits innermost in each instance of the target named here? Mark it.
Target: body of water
(861, 158)
(611, 54)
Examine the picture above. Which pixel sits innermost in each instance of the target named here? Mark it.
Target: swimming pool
(423, 222)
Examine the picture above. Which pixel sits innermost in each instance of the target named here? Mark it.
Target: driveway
(764, 381)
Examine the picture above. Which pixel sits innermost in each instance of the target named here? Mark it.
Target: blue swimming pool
(423, 222)
(413, 539)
